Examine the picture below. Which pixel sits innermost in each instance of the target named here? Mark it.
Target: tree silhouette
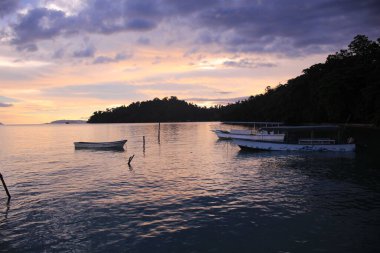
(346, 88)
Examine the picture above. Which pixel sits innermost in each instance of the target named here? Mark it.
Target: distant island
(344, 89)
(64, 121)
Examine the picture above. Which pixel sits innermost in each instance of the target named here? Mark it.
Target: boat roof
(304, 128)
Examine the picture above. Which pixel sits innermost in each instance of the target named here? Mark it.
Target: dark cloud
(5, 105)
(86, 52)
(118, 57)
(143, 41)
(224, 92)
(58, 54)
(140, 25)
(103, 59)
(7, 7)
(27, 47)
(292, 27)
(38, 24)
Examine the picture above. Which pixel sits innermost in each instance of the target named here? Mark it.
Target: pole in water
(143, 143)
(159, 130)
(5, 187)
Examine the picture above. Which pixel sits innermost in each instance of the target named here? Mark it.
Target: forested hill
(156, 110)
(346, 88)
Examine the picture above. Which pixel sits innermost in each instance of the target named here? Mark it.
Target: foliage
(156, 110)
(346, 88)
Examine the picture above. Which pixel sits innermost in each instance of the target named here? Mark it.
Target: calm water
(188, 193)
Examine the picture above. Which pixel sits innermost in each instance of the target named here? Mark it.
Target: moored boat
(100, 145)
(249, 135)
(276, 146)
(303, 138)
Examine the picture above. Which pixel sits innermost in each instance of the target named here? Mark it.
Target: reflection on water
(187, 193)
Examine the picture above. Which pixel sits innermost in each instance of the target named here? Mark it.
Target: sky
(65, 59)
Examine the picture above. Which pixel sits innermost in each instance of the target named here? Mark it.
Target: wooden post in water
(5, 187)
(159, 130)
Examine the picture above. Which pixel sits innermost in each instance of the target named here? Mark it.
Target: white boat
(100, 145)
(295, 140)
(249, 135)
(276, 146)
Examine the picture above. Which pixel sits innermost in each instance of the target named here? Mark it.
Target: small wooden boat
(249, 135)
(100, 145)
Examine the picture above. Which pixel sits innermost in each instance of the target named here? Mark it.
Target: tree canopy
(346, 88)
(156, 110)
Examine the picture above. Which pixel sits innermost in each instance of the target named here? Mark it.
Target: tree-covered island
(346, 88)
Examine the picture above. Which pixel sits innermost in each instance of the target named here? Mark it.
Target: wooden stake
(5, 187)
(159, 130)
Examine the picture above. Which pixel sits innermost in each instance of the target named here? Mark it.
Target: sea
(184, 191)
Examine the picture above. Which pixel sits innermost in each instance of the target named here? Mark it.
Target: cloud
(217, 100)
(39, 24)
(118, 57)
(143, 41)
(104, 91)
(7, 99)
(7, 7)
(58, 54)
(102, 17)
(120, 91)
(86, 52)
(176, 87)
(27, 47)
(248, 63)
(5, 105)
(290, 27)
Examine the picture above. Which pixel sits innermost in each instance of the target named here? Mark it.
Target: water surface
(185, 192)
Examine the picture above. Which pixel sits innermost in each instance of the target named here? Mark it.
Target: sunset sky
(65, 59)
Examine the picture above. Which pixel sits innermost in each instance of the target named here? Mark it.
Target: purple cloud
(38, 24)
(5, 104)
(289, 26)
(292, 27)
(118, 57)
(143, 41)
(86, 52)
(7, 7)
(27, 47)
(248, 63)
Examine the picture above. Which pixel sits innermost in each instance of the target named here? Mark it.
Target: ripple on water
(188, 193)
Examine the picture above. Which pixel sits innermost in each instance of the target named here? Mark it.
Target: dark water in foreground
(190, 193)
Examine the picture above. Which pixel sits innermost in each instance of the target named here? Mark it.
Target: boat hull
(272, 146)
(255, 137)
(100, 145)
